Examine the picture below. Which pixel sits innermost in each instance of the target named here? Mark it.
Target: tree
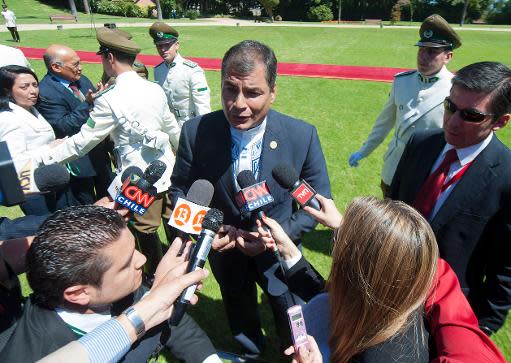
(86, 7)
(268, 5)
(72, 6)
(464, 13)
(158, 9)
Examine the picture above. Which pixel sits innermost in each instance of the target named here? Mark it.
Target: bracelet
(135, 320)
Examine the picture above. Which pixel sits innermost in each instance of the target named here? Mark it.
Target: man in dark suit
(460, 180)
(247, 135)
(66, 96)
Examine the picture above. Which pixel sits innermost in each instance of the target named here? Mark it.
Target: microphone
(253, 196)
(46, 178)
(138, 196)
(300, 190)
(189, 212)
(210, 226)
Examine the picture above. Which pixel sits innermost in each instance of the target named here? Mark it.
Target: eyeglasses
(467, 114)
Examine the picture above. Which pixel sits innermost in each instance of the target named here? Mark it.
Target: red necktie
(76, 91)
(432, 187)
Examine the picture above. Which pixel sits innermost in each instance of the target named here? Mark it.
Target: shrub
(192, 14)
(278, 18)
(120, 8)
(320, 13)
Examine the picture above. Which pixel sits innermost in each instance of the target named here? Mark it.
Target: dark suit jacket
(66, 114)
(41, 331)
(205, 153)
(473, 226)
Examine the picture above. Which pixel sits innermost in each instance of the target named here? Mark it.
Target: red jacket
(454, 325)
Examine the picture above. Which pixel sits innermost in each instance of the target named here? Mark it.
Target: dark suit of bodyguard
(63, 104)
(247, 135)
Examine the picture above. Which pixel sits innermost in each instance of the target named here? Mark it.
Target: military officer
(135, 114)
(183, 81)
(416, 97)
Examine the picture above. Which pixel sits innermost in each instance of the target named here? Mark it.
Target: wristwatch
(135, 320)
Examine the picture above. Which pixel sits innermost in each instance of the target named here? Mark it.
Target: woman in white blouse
(26, 131)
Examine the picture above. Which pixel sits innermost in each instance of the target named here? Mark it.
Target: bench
(262, 19)
(373, 22)
(63, 17)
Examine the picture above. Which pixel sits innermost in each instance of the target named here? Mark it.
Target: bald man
(66, 96)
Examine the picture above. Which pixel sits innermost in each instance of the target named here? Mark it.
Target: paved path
(240, 22)
(379, 74)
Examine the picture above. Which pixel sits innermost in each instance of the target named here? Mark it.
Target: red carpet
(379, 74)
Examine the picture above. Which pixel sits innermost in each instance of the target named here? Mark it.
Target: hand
(329, 215)
(225, 239)
(157, 306)
(355, 158)
(249, 243)
(286, 247)
(171, 259)
(109, 203)
(56, 143)
(304, 355)
(90, 96)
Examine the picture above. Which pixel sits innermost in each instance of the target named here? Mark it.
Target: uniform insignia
(428, 33)
(91, 123)
(190, 63)
(159, 34)
(202, 89)
(273, 145)
(400, 74)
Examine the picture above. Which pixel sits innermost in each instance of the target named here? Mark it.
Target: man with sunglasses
(459, 178)
(415, 101)
(183, 80)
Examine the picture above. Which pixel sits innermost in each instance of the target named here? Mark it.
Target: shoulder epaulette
(190, 63)
(405, 73)
(99, 94)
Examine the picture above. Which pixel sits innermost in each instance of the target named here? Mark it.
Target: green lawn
(343, 112)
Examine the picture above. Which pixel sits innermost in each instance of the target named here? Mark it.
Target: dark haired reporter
(459, 178)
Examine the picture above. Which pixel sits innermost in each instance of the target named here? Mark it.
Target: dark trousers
(385, 189)
(237, 275)
(14, 33)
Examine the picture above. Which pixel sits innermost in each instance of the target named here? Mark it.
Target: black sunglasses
(467, 114)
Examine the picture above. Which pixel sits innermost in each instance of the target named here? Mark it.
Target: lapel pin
(273, 145)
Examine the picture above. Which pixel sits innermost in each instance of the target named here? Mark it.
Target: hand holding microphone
(278, 238)
(328, 215)
(300, 190)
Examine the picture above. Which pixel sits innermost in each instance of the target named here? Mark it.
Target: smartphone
(297, 325)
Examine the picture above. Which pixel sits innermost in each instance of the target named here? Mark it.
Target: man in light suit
(248, 135)
(183, 80)
(460, 180)
(415, 101)
(66, 97)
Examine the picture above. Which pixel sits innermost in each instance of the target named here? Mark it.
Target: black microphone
(200, 193)
(49, 178)
(300, 190)
(132, 172)
(138, 196)
(210, 226)
(245, 180)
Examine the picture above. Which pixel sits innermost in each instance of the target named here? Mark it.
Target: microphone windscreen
(154, 171)
(213, 220)
(201, 192)
(285, 175)
(51, 177)
(130, 172)
(245, 179)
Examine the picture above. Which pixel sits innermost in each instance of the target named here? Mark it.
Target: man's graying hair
(49, 60)
(491, 78)
(243, 56)
(66, 251)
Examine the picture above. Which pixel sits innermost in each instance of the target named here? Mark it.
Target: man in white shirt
(10, 23)
(459, 178)
(415, 100)
(183, 80)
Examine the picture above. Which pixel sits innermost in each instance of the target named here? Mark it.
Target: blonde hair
(384, 262)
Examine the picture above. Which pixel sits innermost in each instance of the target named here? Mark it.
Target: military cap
(112, 40)
(163, 33)
(123, 33)
(435, 32)
(140, 68)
